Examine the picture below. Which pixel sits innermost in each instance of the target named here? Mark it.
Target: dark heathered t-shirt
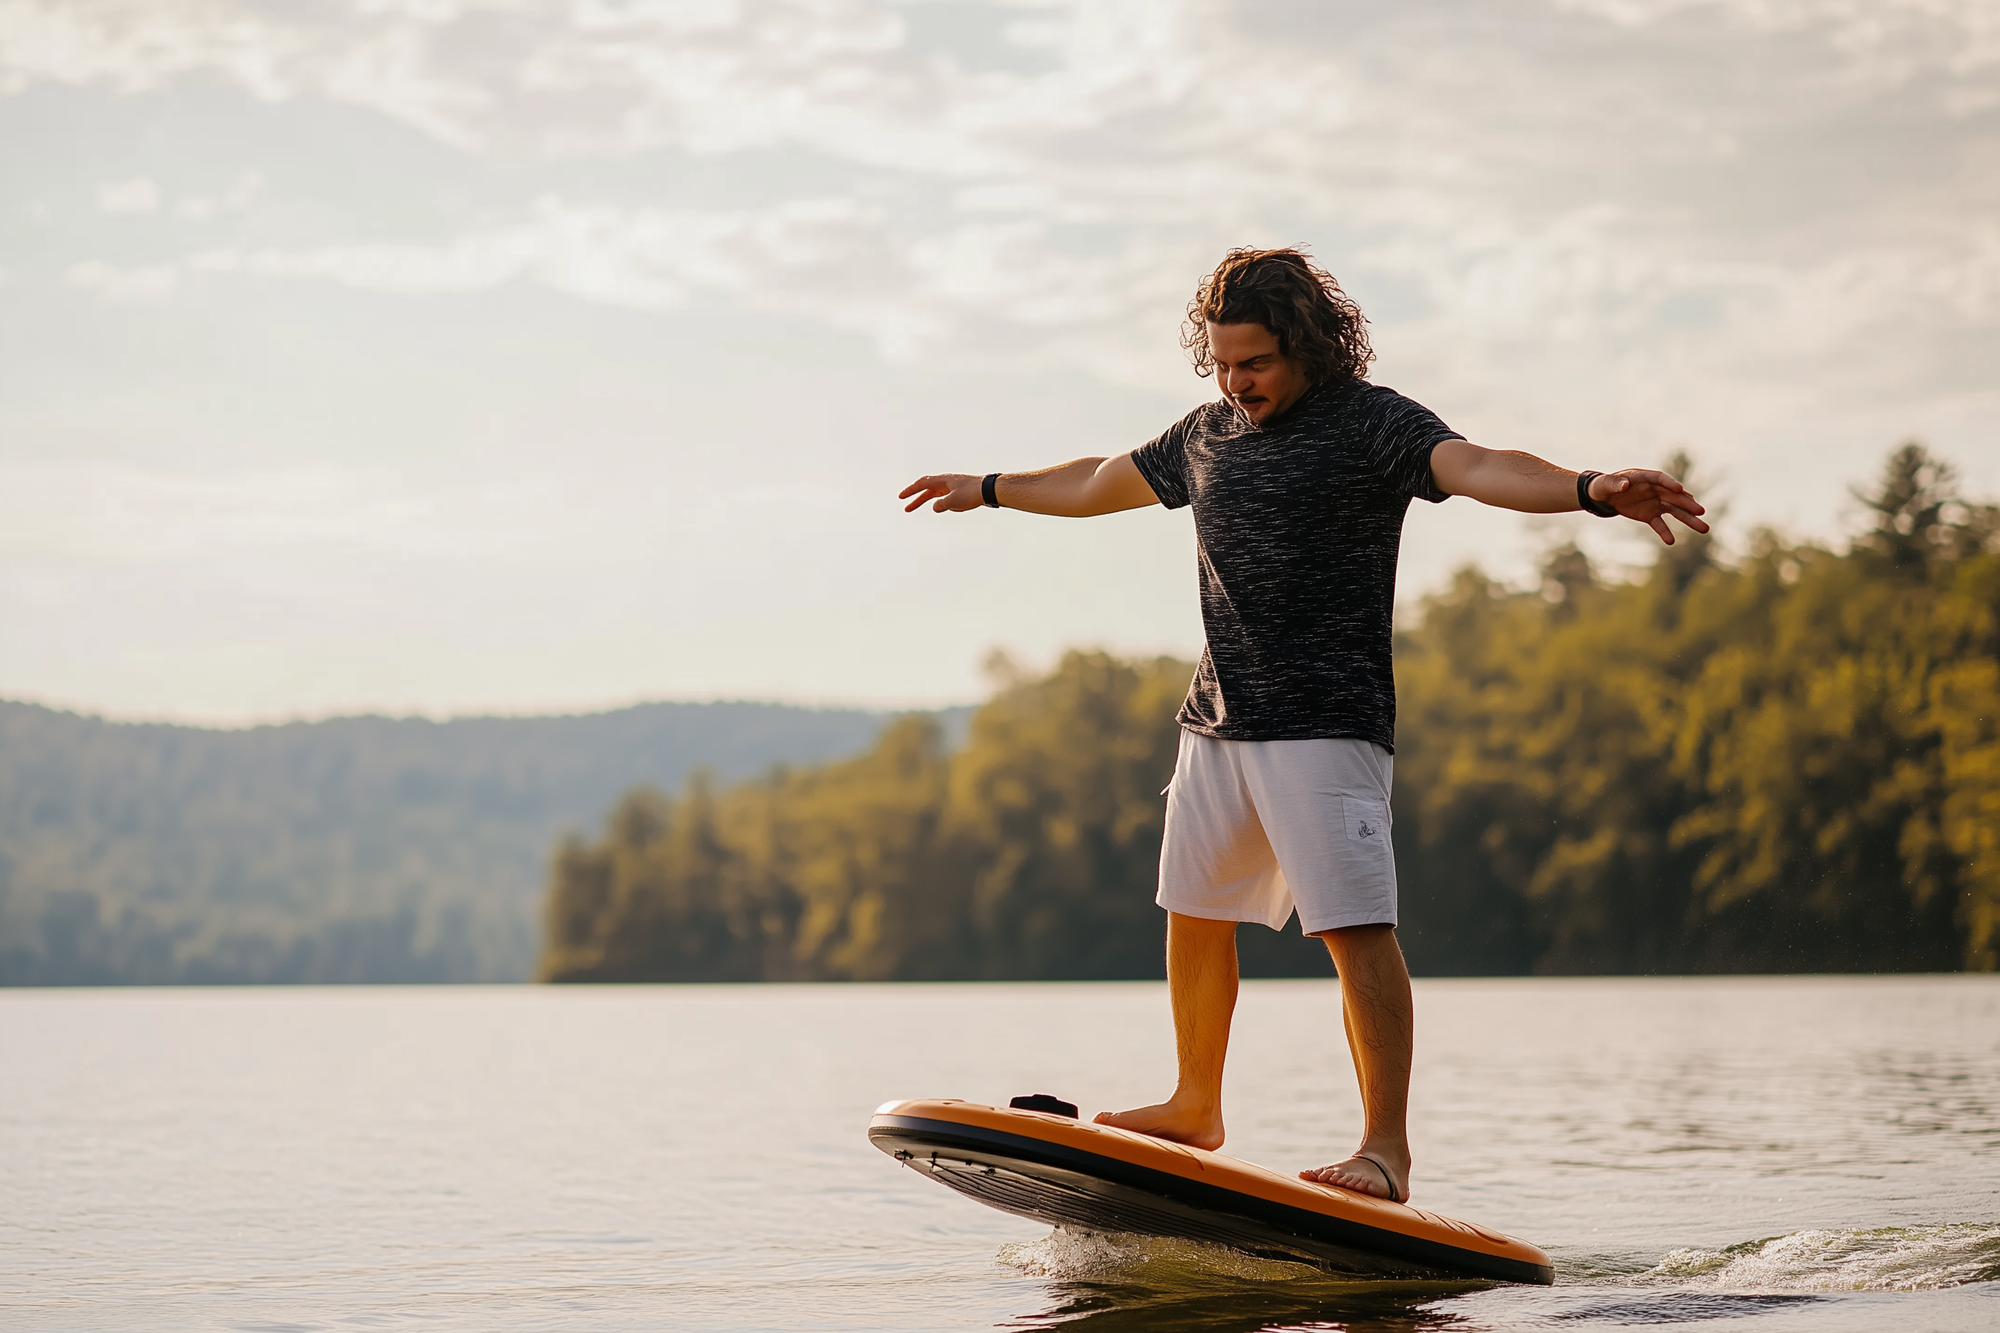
(1297, 525)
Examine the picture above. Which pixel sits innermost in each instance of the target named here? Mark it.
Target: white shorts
(1255, 828)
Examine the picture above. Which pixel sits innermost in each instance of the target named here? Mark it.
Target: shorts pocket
(1367, 821)
(1367, 859)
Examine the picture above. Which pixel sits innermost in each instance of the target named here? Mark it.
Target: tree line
(1787, 761)
(359, 849)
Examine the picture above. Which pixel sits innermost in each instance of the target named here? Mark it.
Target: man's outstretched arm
(1510, 479)
(1079, 489)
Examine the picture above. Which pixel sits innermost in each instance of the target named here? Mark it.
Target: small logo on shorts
(1366, 832)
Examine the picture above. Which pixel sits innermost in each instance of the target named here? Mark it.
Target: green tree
(1056, 815)
(803, 875)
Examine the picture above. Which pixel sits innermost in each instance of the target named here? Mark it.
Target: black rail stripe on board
(1302, 1222)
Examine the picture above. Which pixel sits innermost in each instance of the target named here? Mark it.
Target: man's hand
(1646, 496)
(953, 491)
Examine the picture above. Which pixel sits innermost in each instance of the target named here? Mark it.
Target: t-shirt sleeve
(1162, 461)
(1405, 434)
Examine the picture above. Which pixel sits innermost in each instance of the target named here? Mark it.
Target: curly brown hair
(1315, 322)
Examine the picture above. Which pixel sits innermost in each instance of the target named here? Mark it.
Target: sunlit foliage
(1028, 853)
(1783, 763)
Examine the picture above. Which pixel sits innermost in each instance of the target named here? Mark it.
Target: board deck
(1067, 1172)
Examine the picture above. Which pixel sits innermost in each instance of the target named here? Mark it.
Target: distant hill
(357, 849)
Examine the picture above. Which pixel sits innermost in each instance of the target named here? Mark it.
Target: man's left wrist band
(1583, 500)
(986, 490)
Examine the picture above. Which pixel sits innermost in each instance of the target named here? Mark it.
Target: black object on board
(1041, 1101)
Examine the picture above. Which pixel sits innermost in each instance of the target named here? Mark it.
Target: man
(1299, 479)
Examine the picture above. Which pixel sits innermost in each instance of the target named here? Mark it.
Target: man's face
(1254, 375)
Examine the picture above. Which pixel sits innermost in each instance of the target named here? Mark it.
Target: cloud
(1705, 184)
(840, 260)
(240, 195)
(139, 196)
(110, 282)
(643, 258)
(133, 196)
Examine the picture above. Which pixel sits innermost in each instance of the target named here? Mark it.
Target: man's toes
(1353, 1181)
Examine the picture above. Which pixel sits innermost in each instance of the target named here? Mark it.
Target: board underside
(1059, 1186)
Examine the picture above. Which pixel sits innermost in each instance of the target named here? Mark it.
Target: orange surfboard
(1067, 1172)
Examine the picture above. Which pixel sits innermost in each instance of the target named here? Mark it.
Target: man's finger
(1659, 525)
(1676, 498)
(1687, 511)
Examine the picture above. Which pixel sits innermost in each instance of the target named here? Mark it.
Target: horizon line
(525, 713)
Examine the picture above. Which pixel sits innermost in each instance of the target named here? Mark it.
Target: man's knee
(1370, 950)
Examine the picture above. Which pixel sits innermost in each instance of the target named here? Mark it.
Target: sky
(450, 356)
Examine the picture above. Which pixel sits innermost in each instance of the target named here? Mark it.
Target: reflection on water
(1815, 1154)
(1151, 1308)
(1141, 1282)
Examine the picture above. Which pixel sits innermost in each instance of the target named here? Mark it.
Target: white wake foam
(1089, 1256)
(1887, 1259)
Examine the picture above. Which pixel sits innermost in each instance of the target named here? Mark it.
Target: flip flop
(1387, 1179)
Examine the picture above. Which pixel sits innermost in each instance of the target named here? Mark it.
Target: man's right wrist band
(986, 490)
(1583, 500)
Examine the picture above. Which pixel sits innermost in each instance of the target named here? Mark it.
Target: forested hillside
(359, 849)
(1788, 762)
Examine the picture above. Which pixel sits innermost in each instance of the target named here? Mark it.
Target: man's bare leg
(1376, 1009)
(1201, 978)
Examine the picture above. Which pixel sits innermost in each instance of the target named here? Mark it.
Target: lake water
(1771, 1153)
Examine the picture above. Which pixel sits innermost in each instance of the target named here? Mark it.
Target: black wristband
(1583, 500)
(986, 490)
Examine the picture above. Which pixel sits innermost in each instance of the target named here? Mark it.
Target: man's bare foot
(1383, 1173)
(1169, 1120)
